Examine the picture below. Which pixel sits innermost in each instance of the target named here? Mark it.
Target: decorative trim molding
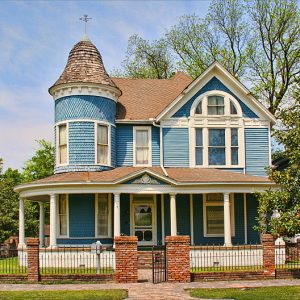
(145, 179)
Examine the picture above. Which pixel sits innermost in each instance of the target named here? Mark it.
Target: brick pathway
(152, 291)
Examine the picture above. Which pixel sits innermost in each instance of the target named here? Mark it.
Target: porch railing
(287, 256)
(222, 258)
(13, 261)
(76, 260)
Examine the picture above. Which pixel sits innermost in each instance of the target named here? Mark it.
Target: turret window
(62, 144)
(102, 145)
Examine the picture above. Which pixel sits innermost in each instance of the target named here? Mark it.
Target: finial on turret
(85, 19)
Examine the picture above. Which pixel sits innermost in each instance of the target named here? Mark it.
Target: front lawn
(266, 293)
(65, 295)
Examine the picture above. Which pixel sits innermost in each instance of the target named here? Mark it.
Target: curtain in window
(142, 147)
(199, 147)
(214, 219)
(102, 215)
(62, 141)
(215, 105)
(216, 151)
(62, 212)
(102, 145)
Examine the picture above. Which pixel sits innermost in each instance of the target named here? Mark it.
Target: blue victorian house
(152, 157)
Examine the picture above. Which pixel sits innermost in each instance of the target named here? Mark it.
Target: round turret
(85, 108)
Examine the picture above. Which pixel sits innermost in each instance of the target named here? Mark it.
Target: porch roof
(175, 176)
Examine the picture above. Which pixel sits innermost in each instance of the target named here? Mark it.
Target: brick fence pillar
(126, 259)
(298, 248)
(268, 246)
(33, 259)
(178, 258)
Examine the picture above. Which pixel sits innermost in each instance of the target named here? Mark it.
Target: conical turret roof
(84, 65)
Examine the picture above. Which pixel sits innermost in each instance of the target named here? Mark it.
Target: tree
(274, 59)
(147, 60)
(285, 202)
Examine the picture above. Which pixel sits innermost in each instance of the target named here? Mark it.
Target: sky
(35, 40)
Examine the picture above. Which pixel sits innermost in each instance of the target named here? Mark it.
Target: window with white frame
(62, 144)
(142, 146)
(199, 146)
(213, 208)
(234, 146)
(63, 215)
(215, 105)
(102, 215)
(102, 145)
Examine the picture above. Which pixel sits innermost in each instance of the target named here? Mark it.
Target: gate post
(178, 258)
(126, 259)
(33, 259)
(268, 245)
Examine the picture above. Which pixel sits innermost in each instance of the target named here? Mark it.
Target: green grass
(11, 266)
(264, 293)
(65, 295)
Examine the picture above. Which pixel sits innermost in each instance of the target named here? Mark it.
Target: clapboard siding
(176, 147)
(155, 146)
(183, 214)
(125, 145)
(252, 214)
(113, 149)
(213, 84)
(257, 150)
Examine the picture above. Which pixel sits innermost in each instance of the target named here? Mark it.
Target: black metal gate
(159, 264)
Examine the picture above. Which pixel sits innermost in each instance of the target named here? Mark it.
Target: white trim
(108, 126)
(154, 218)
(85, 120)
(58, 216)
(162, 203)
(235, 86)
(192, 218)
(205, 204)
(109, 231)
(85, 89)
(149, 129)
(270, 145)
(245, 219)
(57, 152)
(129, 121)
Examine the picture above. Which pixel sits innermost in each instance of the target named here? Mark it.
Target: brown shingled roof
(85, 65)
(143, 99)
(180, 175)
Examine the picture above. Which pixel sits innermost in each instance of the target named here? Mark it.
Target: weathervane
(85, 19)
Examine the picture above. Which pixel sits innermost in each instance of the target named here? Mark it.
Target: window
(234, 147)
(216, 151)
(199, 147)
(199, 109)
(214, 215)
(102, 145)
(102, 215)
(63, 215)
(233, 110)
(62, 144)
(215, 105)
(142, 149)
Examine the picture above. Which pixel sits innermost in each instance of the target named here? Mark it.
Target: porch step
(145, 259)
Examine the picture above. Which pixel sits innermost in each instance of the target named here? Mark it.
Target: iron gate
(159, 264)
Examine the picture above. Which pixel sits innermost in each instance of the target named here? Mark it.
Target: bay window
(103, 224)
(62, 144)
(142, 146)
(102, 145)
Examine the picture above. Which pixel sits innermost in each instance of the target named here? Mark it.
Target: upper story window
(102, 145)
(62, 144)
(217, 147)
(215, 105)
(142, 146)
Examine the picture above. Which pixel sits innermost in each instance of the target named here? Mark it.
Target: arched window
(215, 105)
(198, 110)
(233, 110)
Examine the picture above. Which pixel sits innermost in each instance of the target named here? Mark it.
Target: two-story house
(152, 157)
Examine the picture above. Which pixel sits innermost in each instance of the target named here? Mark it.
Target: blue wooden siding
(252, 206)
(155, 146)
(125, 145)
(199, 238)
(167, 214)
(83, 241)
(237, 170)
(176, 147)
(113, 150)
(183, 214)
(85, 107)
(213, 84)
(158, 219)
(257, 150)
(82, 215)
(125, 213)
(81, 143)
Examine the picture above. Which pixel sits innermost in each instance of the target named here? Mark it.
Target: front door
(143, 219)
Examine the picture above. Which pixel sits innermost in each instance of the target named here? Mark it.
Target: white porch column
(21, 223)
(42, 224)
(53, 223)
(173, 214)
(227, 223)
(117, 215)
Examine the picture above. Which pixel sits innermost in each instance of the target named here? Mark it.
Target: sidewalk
(152, 291)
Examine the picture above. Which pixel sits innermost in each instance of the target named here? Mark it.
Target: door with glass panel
(143, 219)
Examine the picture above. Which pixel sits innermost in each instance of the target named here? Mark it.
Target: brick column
(33, 259)
(268, 245)
(178, 258)
(298, 249)
(126, 259)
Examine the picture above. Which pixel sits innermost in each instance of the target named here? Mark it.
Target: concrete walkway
(152, 291)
